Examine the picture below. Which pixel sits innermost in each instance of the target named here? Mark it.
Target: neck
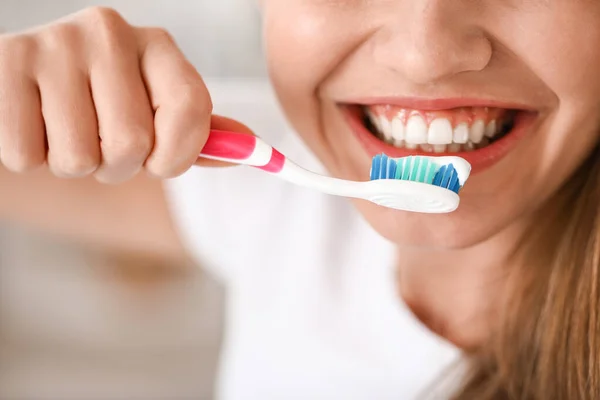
(456, 292)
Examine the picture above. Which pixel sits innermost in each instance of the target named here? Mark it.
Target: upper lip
(436, 104)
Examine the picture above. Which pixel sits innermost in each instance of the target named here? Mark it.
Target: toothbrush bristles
(417, 169)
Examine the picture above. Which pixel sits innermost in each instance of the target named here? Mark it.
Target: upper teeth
(416, 130)
(439, 133)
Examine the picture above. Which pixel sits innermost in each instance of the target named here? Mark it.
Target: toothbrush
(417, 183)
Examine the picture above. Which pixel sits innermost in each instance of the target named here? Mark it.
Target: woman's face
(513, 86)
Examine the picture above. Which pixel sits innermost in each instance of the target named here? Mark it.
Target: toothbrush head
(418, 183)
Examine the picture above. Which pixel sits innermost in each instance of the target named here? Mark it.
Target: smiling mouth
(452, 131)
(482, 135)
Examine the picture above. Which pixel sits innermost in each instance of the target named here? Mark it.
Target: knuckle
(158, 34)
(21, 162)
(102, 17)
(134, 145)
(166, 170)
(108, 26)
(108, 178)
(16, 50)
(205, 105)
(74, 165)
(58, 37)
(193, 97)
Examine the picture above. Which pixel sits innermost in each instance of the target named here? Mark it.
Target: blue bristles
(416, 169)
(447, 177)
(383, 167)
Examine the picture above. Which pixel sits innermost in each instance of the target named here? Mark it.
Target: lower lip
(480, 159)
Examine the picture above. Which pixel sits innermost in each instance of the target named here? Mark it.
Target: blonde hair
(548, 343)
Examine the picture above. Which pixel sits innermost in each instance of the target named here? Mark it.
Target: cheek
(292, 47)
(568, 61)
(304, 44)
(293, 67)
(295, 70)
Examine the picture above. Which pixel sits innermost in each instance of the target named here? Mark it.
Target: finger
(181, 103)
(22, 141)
(70, 118)
(125, 120)
(223, 124)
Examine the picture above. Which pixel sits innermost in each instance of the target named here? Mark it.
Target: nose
(432, 40)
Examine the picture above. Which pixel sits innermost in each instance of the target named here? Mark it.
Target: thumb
(223, 124)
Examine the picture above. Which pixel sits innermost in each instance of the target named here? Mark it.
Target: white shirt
(313, 310)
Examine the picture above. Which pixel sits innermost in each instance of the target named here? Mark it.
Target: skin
(145, 91)
(450, 266)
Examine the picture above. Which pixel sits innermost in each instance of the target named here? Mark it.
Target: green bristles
(417, 169)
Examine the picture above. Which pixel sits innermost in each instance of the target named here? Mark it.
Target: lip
(429, 104)
(480, 159)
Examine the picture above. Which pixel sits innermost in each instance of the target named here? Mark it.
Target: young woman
(500, 299)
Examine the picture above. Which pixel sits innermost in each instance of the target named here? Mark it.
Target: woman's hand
(93, 95)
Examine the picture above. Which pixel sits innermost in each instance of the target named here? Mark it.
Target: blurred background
(80, 324)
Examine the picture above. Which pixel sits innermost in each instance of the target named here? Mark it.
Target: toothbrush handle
(239, 148)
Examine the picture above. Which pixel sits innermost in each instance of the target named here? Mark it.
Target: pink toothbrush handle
(241, 148)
